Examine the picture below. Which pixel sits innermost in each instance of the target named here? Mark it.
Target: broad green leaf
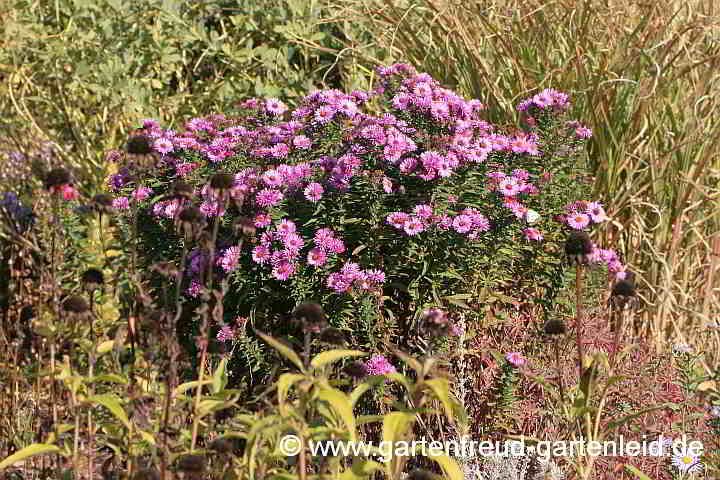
(147, 437)
(105, 346)
(284, 383)
(112, 403)
(188, 385)
(340, 402)
(333, 356)
(219, 376)
(361, 469)
(286, 351)
(414, 364)
(110, 377)
(449, 465)
(27, 452)
(441, 388)
(395, 426)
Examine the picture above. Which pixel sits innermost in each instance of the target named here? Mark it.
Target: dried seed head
(27, 314)
(139, 145)
(222, 181)
(333, 335)
(102, 202)
(420, 475)
(191, 463)
(555, 327)
(356, 370)
(75, 304)
(146, 474)
(245, 226)
(57, 177)
(311, 316)
(578, 246)
(623, 292)
(92, 279)
(181, 190)
(221, 445)
(192, 215)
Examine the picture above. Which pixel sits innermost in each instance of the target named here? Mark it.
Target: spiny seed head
(182, 190)
(311, 316)
(418, 474)
(192, 215)
(146, 474)
(555, 327)
(356, 370)
(192, 463)
(623, 288)
(102, 202)
(245, 226)
(578, 246)
(93, 278)
(57, 177)
(333, 335)
(75, 304)
(221, 445)
(139, 145)
(26, 314)
(222, 181)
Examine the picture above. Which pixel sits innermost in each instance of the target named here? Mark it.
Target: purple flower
(269, 197)
(516, 359)
(121, 203)
(163, 145)
(230, 258)
(379, 365)
(314, 192)
(226, 333)
(275, 106)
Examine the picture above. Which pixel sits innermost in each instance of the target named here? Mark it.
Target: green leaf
(27, 452)
(627, 418)
(333, 356)
(284, 383)
(441, 389)
(112, 403)
(452, 469)
(286, 351)
(219, 380)
(361, 469)
(180, 389)
(340, 402)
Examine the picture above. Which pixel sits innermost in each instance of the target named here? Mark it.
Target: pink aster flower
(283, 270)
(163, 145)
(509, 187)
(121, 203)
(596, 212)
(269, 197)
(302, 142)
(578, 221)
(398, 219)
(229, 259)
(516, 359)
(285, 227)
(413, 226)
(262, 220)
(317, 257)
(225, 334)
(533, 234)
(275, 106)
(379, 365)
(423, 211)
(261, 254)
(462, 223)
(314, 192)
(293, 242)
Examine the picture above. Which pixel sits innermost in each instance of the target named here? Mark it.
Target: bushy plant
(379, 217)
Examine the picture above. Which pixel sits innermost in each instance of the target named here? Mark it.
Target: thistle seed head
(75, 304)
(333, 335)
(418, 474)
(181, 190)
(192, 216)
(102, 202)
(356, 370)
(93, 279)
(221, 445)
(311, 316)
(555, 327)
(57, 177)
(578, 246)
(139, 145)
(192, 463)
(146, 474)
(222, 181)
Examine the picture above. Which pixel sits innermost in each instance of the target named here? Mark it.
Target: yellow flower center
(687, 460)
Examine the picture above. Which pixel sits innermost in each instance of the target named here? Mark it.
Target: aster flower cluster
(304, 159)
(469, 221)
(581, 213)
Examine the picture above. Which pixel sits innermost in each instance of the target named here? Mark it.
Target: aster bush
(378, 204)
